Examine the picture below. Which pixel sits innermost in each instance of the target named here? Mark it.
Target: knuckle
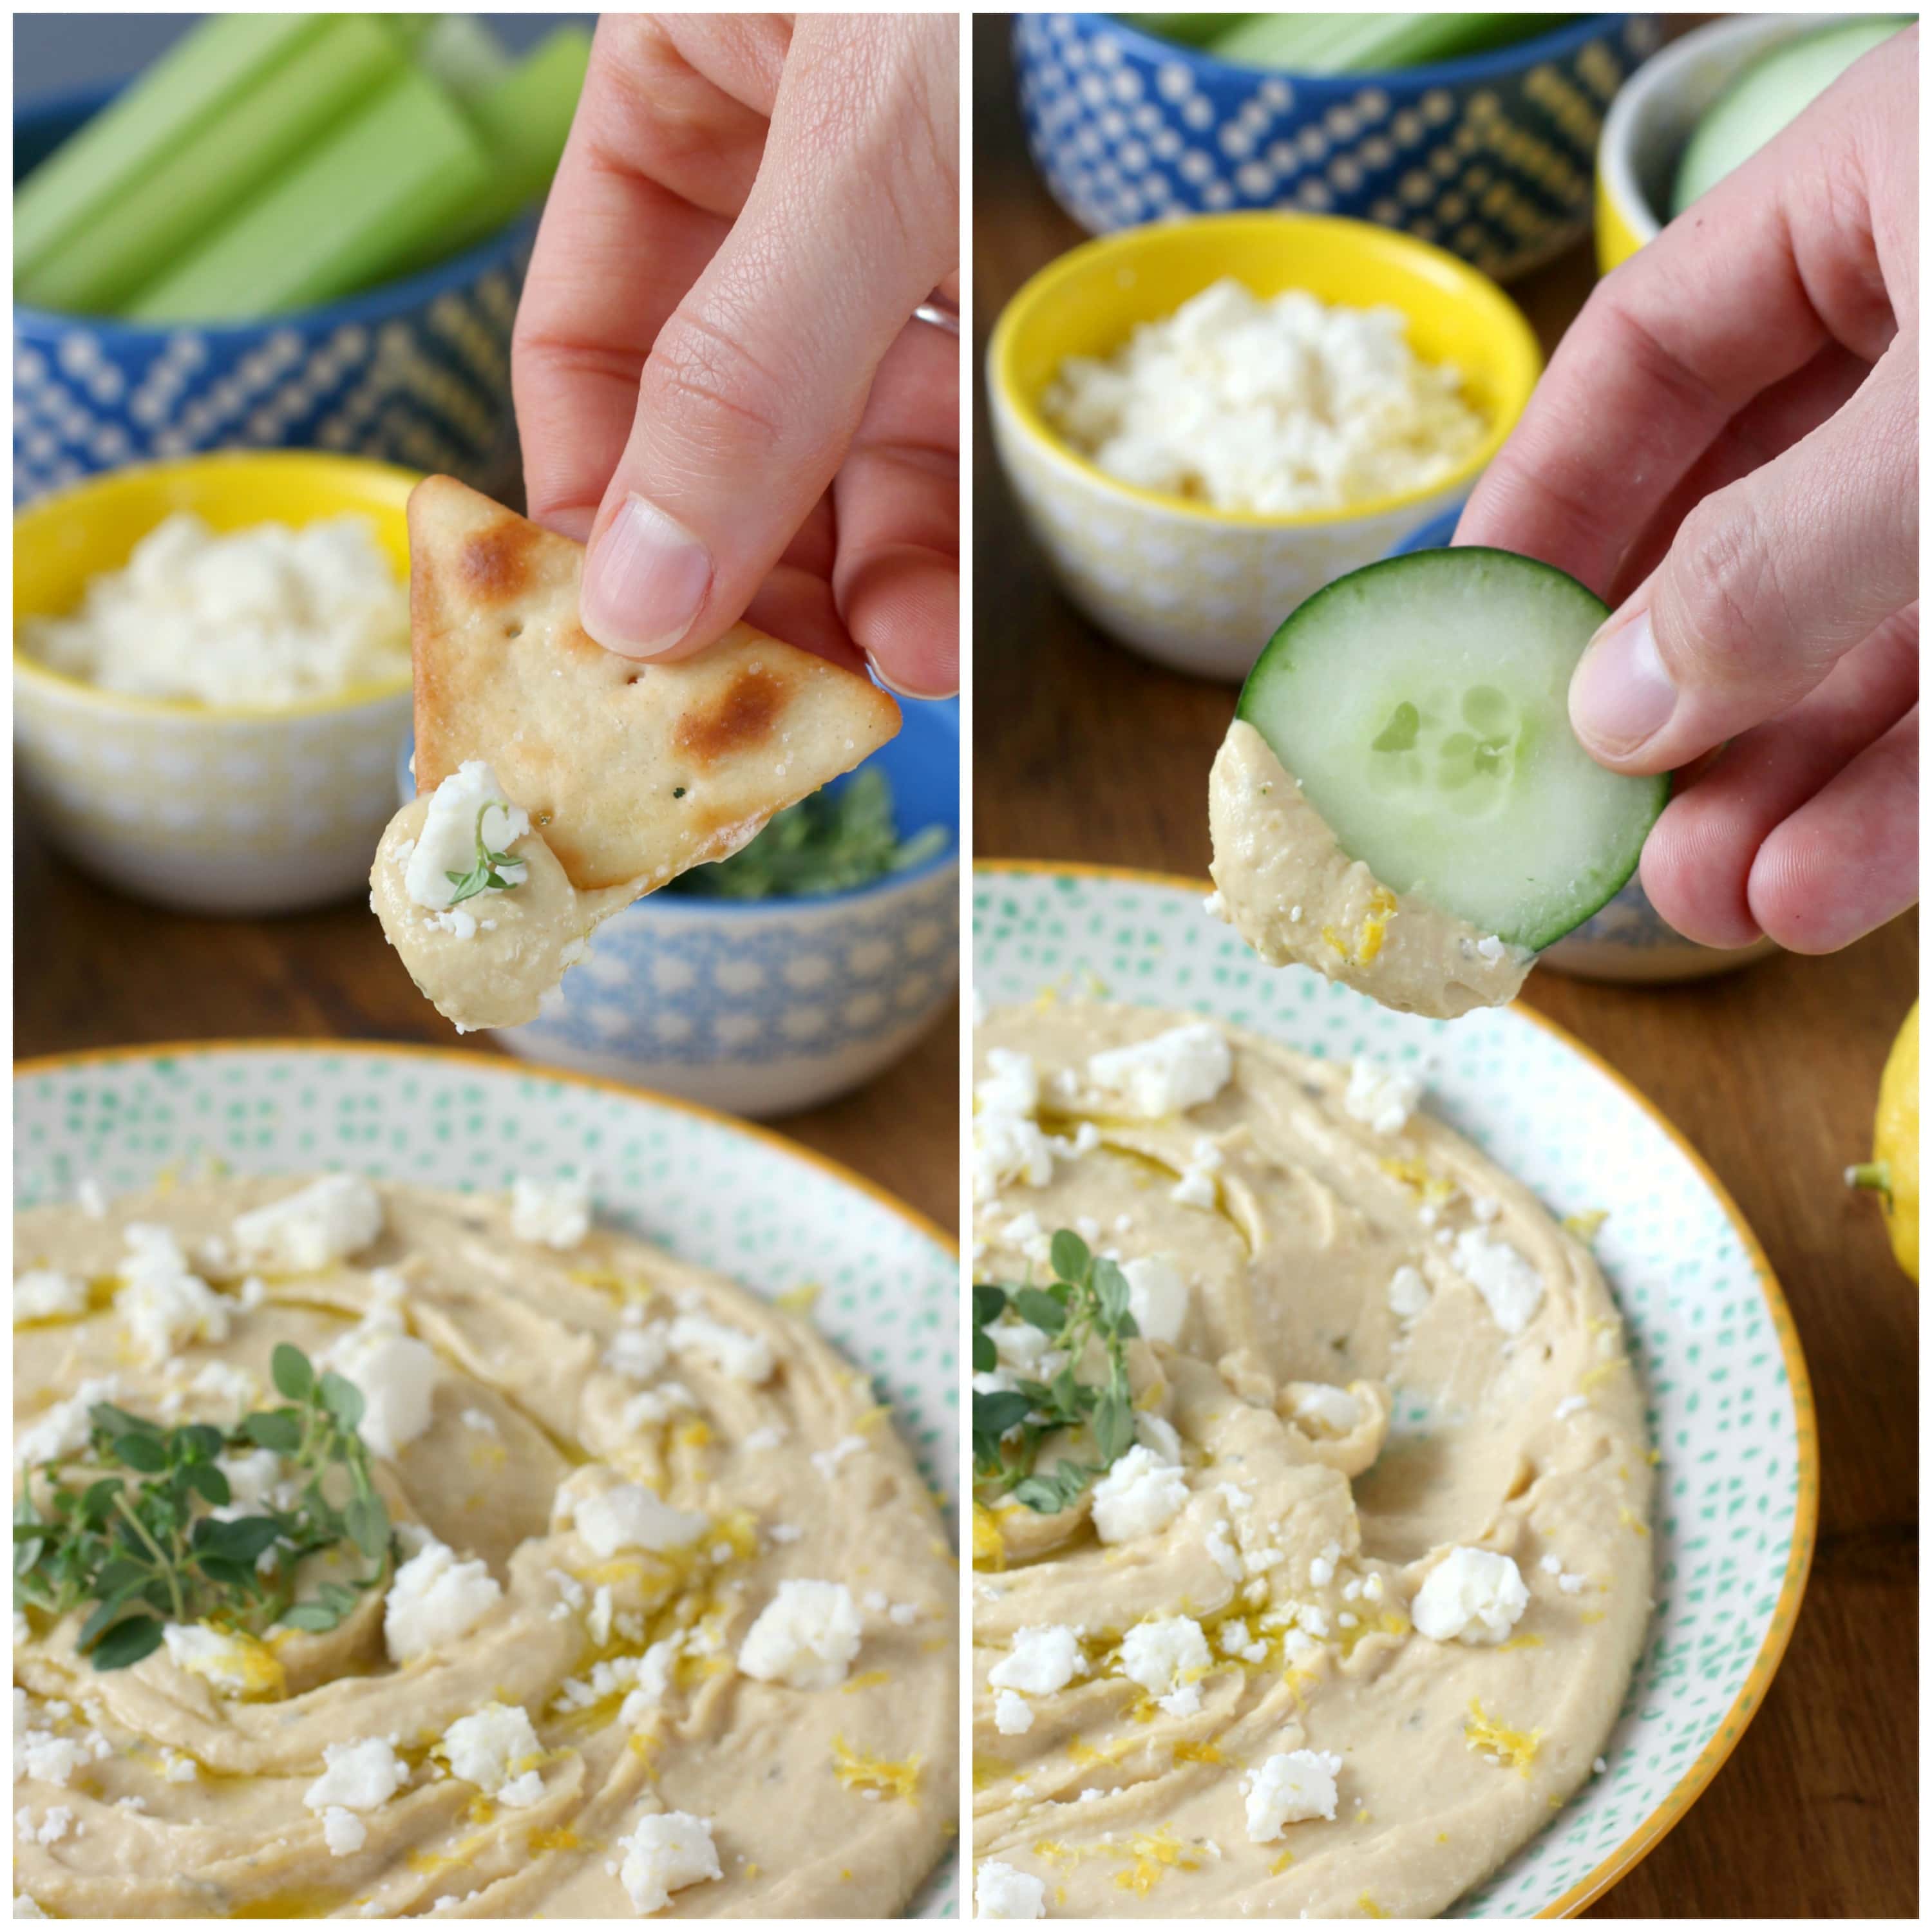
(702, 378)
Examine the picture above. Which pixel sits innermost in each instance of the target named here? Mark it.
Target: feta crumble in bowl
(1359, 403)
(249, 792)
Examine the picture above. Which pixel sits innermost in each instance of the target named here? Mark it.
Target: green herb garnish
(486, 874)
(1086, 1299)
(119, 1527)
(830, 842)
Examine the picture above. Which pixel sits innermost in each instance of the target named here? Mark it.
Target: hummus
(1287, 888)
(667, 1621)
(1356, 1611)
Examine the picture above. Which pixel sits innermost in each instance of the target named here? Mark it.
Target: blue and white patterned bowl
(416, 373)
(1490, 158)
(1628, 940)
(762, 1006)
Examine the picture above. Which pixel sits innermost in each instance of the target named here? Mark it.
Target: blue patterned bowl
(1490, 158)
(1628, 940)
(416, 373)
(762, 1006)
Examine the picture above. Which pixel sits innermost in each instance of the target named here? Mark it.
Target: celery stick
(460, 53)
(348, 215)
(196, 81)
(1187, 30)
(181, 201)
(1323, 43)
(524, 120)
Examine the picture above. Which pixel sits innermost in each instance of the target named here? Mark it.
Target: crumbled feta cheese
(1012, 1714)
(557, 1213)
(360, 1776)
(1289, 1788)
(343, 1832)
(164, 1303)
(317, 1225)
(1043, 1658)
(1019, 1344)
(1197, 1186)
(759, 1440)
(434, 1601)
(1002, 1891)
(827, 1461)
(1381, 1098)
(495, 1749)
(1570, 1406)
(42, 1295)
(1183, 1067)
(252, 1476)
(1163, 1656)
(745, 1357)
(396, 1375)
(665, 1852)
(1278, 404)
(25, 1906)
(468, 805)
(1142, 1493)
(1408, 1292)
(265, 617)
(1512, 1288)
(1323, 1410)
(1156, 1298)
(806, 1637)
(234, 1665)
(1472, 1596)
(1221, 1550)
(639, 1352)
(628, 1516)
(1008, 1144)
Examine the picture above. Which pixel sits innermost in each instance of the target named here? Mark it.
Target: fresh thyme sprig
(119, 1528)
(1087, 1298)
(486, 874)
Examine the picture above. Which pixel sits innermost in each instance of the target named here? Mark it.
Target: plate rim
(1729, 1733)
(97, 1056)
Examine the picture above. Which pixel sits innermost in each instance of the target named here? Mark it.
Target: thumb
(1767, 582)
(755, 385)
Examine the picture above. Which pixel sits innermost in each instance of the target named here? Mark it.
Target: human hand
(1725, 448)
(718, 381)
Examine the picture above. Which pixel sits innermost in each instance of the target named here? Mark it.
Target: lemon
(1893, 1169)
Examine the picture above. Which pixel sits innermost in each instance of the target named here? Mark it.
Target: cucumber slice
(1767, 97)
(1422, 704)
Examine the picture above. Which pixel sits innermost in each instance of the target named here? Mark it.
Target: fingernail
(1621, 696)
(897, 689)
(645, 577)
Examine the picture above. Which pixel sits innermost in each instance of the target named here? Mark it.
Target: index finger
(1734, 296)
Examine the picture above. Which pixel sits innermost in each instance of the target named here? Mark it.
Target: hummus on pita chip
(557, 781)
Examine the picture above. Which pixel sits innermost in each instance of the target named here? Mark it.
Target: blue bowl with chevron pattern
(1628, 940)
(762, 1006)
(416, 373)
(1491, 157)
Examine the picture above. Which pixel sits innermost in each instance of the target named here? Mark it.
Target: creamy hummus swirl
(574, 1392)
(1287, 888)
(1363, 1613)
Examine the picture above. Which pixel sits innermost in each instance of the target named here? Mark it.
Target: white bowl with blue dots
(1490, 156)
(763, 1007)
(416, 373)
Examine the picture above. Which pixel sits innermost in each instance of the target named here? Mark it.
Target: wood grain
(1084, 752)
(93, 969)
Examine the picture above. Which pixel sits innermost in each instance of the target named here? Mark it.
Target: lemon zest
(1488, 1738)
(858, 1771)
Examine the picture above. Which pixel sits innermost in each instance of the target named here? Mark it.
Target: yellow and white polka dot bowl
(1200, 589)
(207, 808)
(1654, 115)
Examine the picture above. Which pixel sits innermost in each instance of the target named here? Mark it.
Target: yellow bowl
(210, 808)
(1655, 111)
(1199, 589)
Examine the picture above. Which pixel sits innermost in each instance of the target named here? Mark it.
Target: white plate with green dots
(773, 1216)
(1729, 1400)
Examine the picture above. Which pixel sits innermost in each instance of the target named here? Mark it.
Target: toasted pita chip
(632, 772)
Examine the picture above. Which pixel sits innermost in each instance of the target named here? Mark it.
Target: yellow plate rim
(1476, 289)
(1731, 1727)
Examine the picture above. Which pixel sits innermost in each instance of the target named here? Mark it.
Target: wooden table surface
(1084, 752)
(93, 969)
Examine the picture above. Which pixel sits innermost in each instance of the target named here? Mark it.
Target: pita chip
(592, 779)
